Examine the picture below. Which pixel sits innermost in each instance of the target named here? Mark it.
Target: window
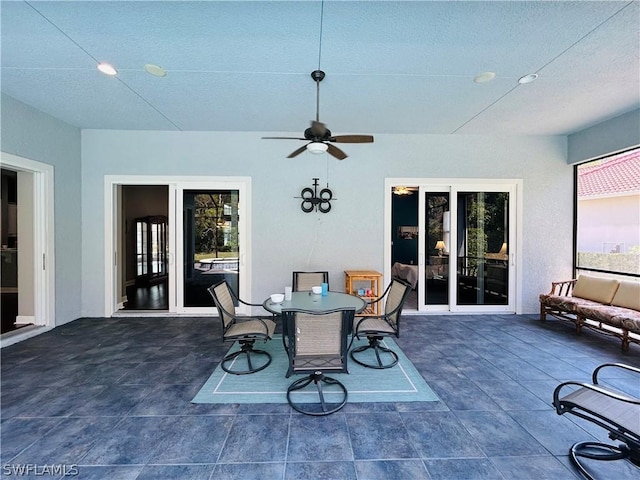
(608, 215)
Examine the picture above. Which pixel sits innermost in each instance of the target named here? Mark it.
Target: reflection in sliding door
(437, 248)
(482, 267)
(211, 245)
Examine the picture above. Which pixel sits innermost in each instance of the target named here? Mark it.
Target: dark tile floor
(110, 399)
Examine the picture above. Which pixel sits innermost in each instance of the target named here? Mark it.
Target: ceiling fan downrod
(317, 76)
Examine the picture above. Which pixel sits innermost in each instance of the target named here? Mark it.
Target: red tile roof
(619, 175)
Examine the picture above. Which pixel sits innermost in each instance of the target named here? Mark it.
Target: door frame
(455, 184)
(112, 245)
(40, 178)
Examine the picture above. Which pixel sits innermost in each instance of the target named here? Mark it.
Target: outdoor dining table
(310, 301)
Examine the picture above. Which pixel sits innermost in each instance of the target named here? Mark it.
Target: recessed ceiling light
(484, 77)
(528, 78)
(155, 70)
(107, 69)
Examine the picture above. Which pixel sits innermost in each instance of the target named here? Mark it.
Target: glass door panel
(436, 238)
(211, 250)
(482, 266)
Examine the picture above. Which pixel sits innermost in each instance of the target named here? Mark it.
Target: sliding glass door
(436, 247)
(482, 248)
(467, 234)
(211, 242)
(211, 249)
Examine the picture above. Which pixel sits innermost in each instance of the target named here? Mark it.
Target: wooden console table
(368, 277)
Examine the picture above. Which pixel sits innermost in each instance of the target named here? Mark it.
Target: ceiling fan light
(317, 147)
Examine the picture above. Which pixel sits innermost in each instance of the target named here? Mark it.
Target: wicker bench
(607, 305)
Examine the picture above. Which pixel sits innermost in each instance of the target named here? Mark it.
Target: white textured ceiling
(392, 67)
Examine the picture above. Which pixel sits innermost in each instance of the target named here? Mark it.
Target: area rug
(401, 383)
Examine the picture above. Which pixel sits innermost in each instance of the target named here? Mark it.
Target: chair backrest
(317, 341)
(223, 298)
(397, 294)
(303, 281)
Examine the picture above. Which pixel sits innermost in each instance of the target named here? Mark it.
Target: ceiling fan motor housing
(317, 75)
(310, 135)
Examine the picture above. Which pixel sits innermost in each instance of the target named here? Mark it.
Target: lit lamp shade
(317, 147)
(503, 249)
(440, 245)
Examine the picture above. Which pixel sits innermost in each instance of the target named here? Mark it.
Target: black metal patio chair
(243, 329)
(615, 411)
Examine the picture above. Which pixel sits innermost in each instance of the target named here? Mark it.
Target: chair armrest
(565, 287)
(595, 388)
(377, 300)
(243, 302)
(614, 365)
(249, 304)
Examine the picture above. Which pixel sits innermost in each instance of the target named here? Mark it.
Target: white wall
(31, 134)
(351, 236)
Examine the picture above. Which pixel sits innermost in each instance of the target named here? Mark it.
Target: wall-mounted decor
(312, 200)
(408, 232)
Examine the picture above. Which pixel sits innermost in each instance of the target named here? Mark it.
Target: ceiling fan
(319, 136)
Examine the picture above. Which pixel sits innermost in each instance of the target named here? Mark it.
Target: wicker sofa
(607, 305)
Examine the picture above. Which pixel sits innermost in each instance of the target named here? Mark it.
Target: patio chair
(303, 281)
(317, 346)
(615, 411)
(244, 330)
(376, 327)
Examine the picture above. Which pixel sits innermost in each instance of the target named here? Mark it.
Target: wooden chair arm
(564, 287)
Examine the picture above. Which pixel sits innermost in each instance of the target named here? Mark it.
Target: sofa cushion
(564, 303)
(628, 295)
(602, 313)
(594, 288)
(630, 321)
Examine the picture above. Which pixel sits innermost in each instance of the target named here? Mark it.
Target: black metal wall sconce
(312, 200)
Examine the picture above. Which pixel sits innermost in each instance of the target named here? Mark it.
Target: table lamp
(440, 247)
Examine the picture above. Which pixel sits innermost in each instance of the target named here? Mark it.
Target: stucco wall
(31, 134)
(351, 236)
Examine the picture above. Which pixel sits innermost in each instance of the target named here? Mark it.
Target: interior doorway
(404, 239)
(144, 247)
(28, 246)
(9, 251)
(172, 237)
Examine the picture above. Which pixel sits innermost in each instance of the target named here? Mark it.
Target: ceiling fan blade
(352, 139)
(297, 152)
(283, 138)
(318, 128)
(336, 152)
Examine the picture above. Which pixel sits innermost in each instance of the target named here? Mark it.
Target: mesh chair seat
(375, 325)
(252, 328)
(615, 411)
